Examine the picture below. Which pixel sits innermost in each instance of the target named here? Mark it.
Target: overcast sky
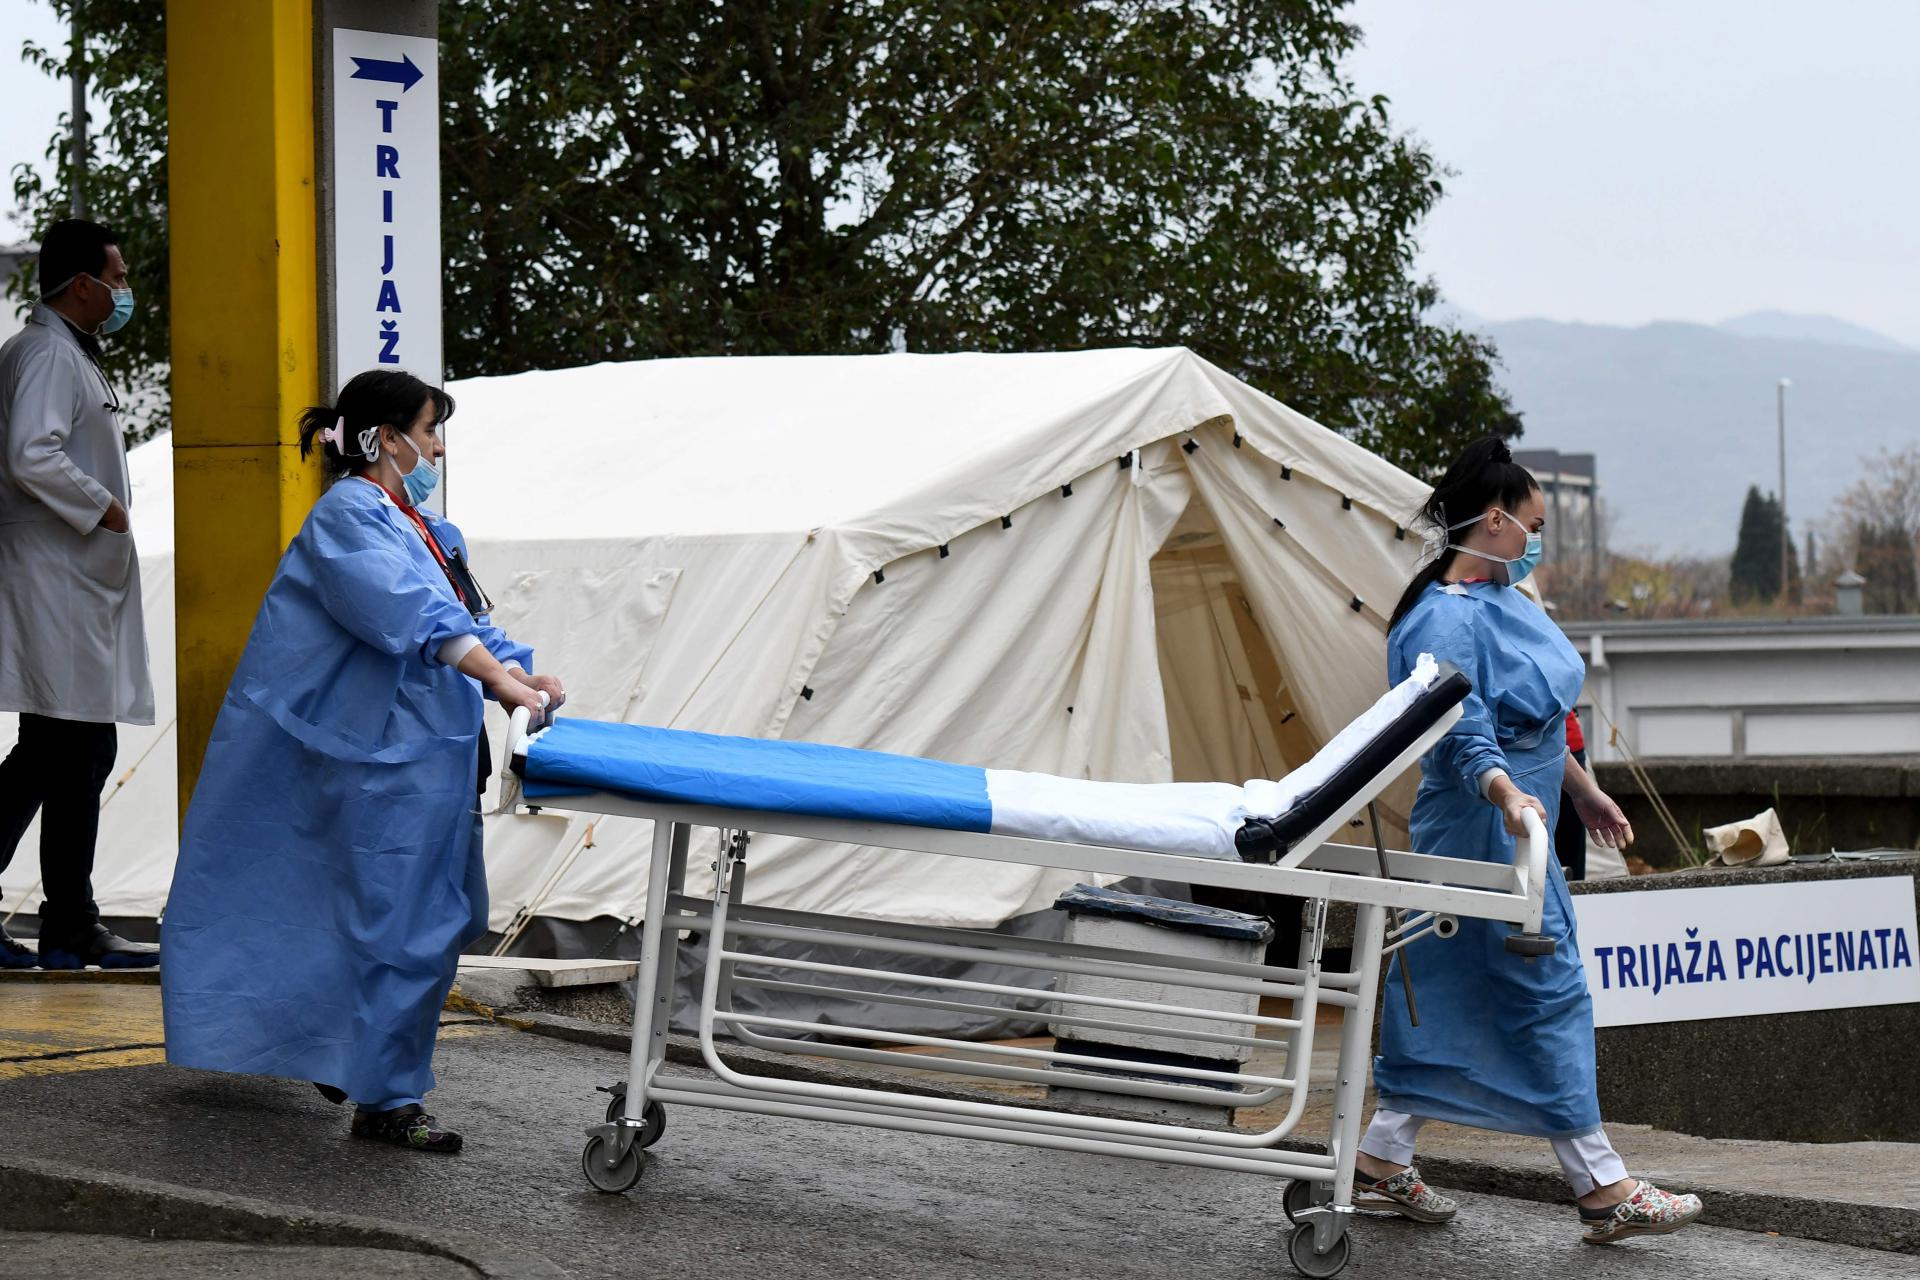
(30, 103)
(1618, 161)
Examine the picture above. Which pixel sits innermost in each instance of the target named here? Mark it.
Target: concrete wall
(1834, 1075)
(1752, 690)
(1824, 803)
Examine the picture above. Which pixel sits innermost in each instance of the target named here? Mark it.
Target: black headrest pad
(1267, 840)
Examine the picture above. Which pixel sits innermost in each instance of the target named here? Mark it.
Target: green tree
(126, 185)
(628, 179)
(1755, 573)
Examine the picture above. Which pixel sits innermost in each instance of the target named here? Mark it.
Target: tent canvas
(1119, 564)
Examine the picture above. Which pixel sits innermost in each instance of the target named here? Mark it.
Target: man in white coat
(73, 645)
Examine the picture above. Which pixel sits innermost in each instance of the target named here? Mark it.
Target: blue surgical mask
(1521, 566)
(1518, 570)
(423, 479)
(122, 311)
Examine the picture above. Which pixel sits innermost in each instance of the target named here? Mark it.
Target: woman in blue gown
(1502, 1043)
(330, 868)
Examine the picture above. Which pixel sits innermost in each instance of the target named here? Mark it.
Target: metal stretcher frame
(1423, 894)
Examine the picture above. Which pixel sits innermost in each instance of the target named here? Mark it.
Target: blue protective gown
(330, 867)
(1502, 1044)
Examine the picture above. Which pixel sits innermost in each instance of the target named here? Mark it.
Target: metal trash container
(1153, 926)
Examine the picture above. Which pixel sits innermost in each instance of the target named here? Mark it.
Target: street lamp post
(1785, 537)
(77, 195)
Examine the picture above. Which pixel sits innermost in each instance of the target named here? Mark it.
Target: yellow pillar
(241, 220)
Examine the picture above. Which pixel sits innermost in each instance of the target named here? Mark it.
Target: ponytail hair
(347, 434)
(1484, 475)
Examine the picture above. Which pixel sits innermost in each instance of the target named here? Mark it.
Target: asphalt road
(62, 1256)
(727, 1195)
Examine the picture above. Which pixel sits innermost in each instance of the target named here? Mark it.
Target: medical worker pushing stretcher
(1501, 1044)
(330, 868)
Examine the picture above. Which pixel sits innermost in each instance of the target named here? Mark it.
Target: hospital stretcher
(682, 780)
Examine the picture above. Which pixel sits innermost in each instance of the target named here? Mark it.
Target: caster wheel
(622, 1176)
(1298, 1196)
(653, 1117)
(1309, 1263)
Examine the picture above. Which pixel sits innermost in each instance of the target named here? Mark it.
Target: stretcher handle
(517, 725)
(1526, 939)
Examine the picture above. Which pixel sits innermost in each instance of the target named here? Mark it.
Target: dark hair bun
(1501, 453)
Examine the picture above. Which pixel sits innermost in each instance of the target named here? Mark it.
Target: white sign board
(386, 212)
(1676, 955)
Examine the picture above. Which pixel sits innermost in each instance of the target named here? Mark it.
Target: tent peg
(1126, 460)
(1286, 472)
(1191, 444)
(1357, 604)
(1290, 715)
(1278, 523)
(943, 551)
(1236, 439)
(1066, 490)
(1346, 503)
(806, 691)
(1006, 522)
(1399, 533)
(879, 576)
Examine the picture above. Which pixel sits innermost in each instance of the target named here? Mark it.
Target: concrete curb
(1892, 1229)
(38, 1196)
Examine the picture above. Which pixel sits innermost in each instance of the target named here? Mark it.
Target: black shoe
(408, 1126)
(12, 954)
(331, 1094)
(96, 944)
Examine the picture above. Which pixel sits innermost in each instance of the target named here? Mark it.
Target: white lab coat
(73, 641)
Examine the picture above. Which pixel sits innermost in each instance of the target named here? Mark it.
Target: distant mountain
(1782, 325)
(1681, 417)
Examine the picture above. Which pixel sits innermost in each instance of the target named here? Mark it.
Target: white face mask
(1518, 567)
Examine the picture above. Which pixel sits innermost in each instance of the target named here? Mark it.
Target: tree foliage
(1876, 525)
(626, 179)
(1755, 572)
(126, 186)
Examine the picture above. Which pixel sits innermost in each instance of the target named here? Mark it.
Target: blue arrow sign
(402, 73)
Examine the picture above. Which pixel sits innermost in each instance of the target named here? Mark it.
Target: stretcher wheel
(653, 1116)
(1298, 1196)
(1530, 944)
(1309, 1263)
(621, 1177)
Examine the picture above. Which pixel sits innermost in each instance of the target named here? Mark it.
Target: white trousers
(1588, 1162)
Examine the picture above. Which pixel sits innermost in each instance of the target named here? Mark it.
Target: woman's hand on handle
(549, 685)
(512, 688)
(1513, 803)
(513, 694)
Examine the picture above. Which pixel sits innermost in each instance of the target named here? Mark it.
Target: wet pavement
(727, 1195)
(28, 1255)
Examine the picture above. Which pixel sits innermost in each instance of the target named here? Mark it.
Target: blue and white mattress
(575, 757)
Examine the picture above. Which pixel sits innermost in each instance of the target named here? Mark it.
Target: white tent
(1117, 564)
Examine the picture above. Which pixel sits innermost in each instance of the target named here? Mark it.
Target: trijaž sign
(386, 204)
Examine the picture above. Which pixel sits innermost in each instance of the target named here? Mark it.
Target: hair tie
(1432, 543)
(369, 443)
(336, 435)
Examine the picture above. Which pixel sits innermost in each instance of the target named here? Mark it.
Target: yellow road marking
(53, 1028)
(37, 1019)
(84, 1062)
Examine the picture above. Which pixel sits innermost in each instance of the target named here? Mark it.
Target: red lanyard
(433, 543)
